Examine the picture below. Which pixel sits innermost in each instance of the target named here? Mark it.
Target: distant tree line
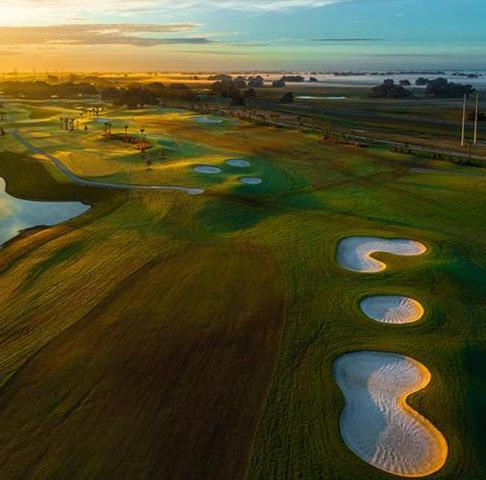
(236, 89)
(293, 78)
(43, 90)
(238, 82)
(138, 95)
(440, 88)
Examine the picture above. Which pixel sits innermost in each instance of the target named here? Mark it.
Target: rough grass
(164, 336)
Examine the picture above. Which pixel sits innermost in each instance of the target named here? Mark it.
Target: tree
(287, 98)
(256, 82)
(442, 88)
(239, 82)
(389, 89)
(293, 78)
(481, 116)
(237, 99)
(421, 81)
(278, 83)
(227, 79)
(110, 94)
(249, 93)
(41, 90)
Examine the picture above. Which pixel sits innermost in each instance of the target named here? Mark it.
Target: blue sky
(255, 34)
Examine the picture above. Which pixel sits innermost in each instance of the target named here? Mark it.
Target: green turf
(168, 336)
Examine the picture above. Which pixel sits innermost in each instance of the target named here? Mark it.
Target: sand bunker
(209, 169)
(102, 120)
(377, 424)
(238, 162)
(251, 180)
(354, 253)
(308, 97)
(393, 309)
(209, 121)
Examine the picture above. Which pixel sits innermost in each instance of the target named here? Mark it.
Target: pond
(17, 215)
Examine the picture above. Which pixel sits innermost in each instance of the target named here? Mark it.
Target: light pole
(463, 136)
(476, 118)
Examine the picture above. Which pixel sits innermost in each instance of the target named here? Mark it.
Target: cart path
(94, 183)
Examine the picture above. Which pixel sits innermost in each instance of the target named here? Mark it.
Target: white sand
(393, 309)
(207, 169)
(102, 120)
(209, 121)
(251, 180)
(377, 424)
(238, 162)
(308, 97)
(354, 253)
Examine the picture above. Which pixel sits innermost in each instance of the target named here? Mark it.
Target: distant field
(432, 122)
(163, 335)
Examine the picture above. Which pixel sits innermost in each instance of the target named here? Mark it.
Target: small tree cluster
(441, 87)
(389, 89)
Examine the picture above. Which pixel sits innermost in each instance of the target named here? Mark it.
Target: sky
(230, 35)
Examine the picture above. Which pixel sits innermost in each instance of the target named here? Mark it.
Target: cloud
(36, 12)
(345, 40)
(140, 35)
(266, 5)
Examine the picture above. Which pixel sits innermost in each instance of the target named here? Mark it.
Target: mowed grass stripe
(164, 379)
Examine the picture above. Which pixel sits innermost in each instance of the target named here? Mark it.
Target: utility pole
(476, 118)
(463, 136)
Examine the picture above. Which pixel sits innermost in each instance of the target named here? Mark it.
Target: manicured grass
(168, 336)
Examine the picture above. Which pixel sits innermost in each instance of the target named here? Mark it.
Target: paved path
(95, 183)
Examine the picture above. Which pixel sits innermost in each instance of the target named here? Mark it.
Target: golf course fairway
(166, 335)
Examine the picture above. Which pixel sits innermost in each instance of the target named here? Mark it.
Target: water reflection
(16, 214)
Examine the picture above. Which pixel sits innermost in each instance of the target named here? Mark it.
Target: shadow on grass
(67, 253)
